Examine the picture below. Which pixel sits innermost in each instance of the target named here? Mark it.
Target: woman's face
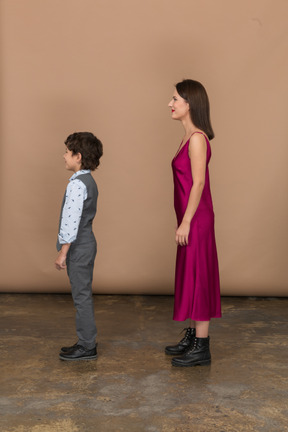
(179, 107)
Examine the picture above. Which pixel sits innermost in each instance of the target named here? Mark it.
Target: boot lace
(192, 347)
(188, 334)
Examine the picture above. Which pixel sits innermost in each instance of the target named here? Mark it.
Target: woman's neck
(189, 127)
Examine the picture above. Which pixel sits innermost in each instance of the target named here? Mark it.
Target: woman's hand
(182, 234)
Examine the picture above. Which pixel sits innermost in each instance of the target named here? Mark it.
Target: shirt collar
(79, 173)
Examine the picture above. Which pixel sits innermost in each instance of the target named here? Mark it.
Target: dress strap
(202, 133)
(182, 145)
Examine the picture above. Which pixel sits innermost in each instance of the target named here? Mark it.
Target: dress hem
(197, 319)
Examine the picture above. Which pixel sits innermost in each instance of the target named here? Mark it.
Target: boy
(76, 242)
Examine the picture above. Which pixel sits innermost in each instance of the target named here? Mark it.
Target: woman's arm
(197, 153)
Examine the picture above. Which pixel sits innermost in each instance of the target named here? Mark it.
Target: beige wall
(108, 66)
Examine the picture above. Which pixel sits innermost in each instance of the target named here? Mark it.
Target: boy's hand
(60, 262)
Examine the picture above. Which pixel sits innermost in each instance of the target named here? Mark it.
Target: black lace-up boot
(197, 354)
(183, 345)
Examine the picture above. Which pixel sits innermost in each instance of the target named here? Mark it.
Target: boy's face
(72, 161)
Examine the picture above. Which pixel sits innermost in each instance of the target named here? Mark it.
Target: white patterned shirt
(75, 195)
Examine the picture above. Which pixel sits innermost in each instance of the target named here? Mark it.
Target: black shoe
(79, 353)
(67, 349)
(183, 345)
(198, 354)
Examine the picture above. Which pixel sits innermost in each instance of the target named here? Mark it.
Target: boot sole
(197, 363)
(175, 354)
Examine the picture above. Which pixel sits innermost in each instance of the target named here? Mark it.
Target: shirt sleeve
(76, 193)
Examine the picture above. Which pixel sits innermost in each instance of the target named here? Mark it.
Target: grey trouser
(80, 264)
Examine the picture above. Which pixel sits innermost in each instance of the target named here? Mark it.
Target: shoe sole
(202, 363)
(65, 351)
(78, 358)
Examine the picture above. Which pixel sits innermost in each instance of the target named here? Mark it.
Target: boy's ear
(79, 157)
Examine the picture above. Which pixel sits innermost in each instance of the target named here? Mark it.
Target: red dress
(197, 285)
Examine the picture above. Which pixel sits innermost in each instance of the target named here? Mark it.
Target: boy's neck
(77, 170)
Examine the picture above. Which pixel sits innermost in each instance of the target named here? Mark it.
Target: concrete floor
(132, 385)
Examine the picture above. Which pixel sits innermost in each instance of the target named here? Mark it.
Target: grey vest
(85, 233)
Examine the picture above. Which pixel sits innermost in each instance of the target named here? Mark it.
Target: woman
(197, 287)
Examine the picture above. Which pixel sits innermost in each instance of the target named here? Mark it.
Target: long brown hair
(196, 96)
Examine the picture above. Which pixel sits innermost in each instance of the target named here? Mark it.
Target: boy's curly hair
(88, 145)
